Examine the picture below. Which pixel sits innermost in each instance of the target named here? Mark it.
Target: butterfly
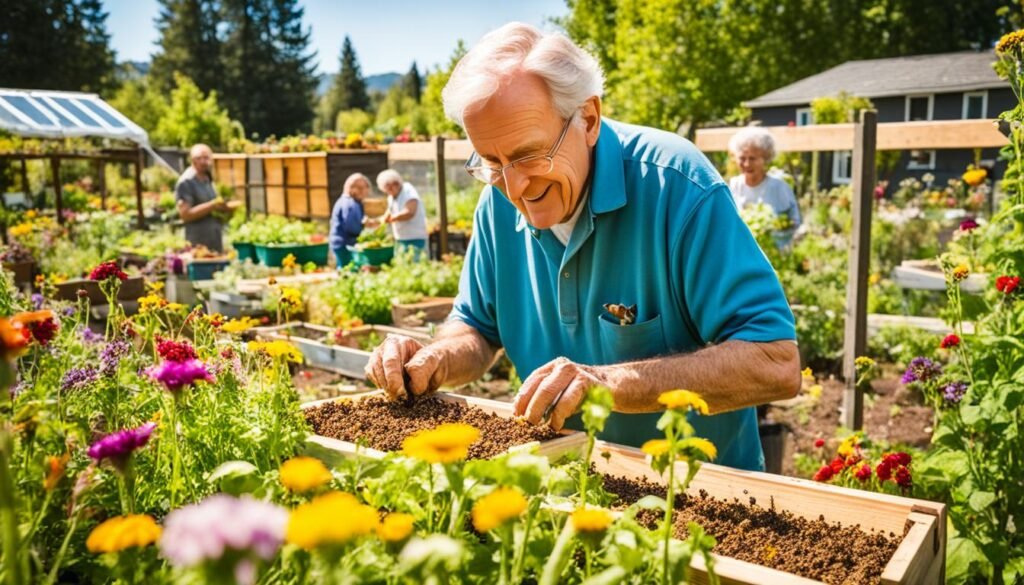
(625, 315)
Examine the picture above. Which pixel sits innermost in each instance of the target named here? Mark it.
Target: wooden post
(59, 199)
(284, 186)
(101, 182)
(140, 161)
(24, 180)
(245, 175)
(855, 338)
(442, 198)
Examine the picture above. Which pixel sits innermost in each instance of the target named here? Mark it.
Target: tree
(56, 44)
(431, 106)
(192, 117)
(142, 102)
(348, 91)
(412, 83)
(188, 44)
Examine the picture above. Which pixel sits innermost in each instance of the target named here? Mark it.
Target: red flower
(824, 474)
(1007, 284)
(838, 464)
(819, 443)
(884, 470)
(897, 458)
(863, 472)
(903, 478)
(951, 340)
(38, 325)
(968, 224)
(108, 270)
(44, 331)
(175, 351)
(852, 460)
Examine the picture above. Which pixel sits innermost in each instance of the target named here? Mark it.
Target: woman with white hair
(405, 213)
(347, 218)
(753, 148)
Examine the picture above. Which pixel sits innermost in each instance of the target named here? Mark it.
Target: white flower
(436, 549)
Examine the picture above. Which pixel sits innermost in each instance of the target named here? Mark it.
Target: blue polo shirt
(660, 231)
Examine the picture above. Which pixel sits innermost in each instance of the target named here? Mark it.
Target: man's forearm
(731, 375)
(468, 354)
(199, 211)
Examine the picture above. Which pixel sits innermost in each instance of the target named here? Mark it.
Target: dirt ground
(892, 414)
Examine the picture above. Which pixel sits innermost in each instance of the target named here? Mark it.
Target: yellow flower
(700, 445)
(682, 400)
(1010, 44)
(155, 287)
(446, 443)
(863, 363)
(960, 272)
(591, 520)
(239, 325)
(497, 508)
(288, 263)
(175, 307)
(55, 470)
(151, 302)
(333, 518)
(31, 214)
(303, 474)
(291, 296)
(814, 391)
(875, 278)
(396, 527)
(807, 374)
(123, 532)
(974, 177)
(277, 349)
(655, 447)
(22, 229)
(849, 445)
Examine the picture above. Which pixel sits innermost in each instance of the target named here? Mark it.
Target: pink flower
(177, 375)
(968, 225)
(118, 447)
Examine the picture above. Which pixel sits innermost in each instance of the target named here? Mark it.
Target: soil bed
(384, 424)
(747, 531)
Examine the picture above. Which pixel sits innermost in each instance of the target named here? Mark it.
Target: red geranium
(951, 340)
(175, 351)
(863, 472)
(106, 270)
(819, 443)
(898, 458)
(824, 474)
(884, 470)
(903, 477)
(1007, 284)
(838, 464)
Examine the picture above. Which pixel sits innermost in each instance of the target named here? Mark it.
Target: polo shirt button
(566, 274)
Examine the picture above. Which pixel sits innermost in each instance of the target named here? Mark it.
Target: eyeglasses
(532, 165)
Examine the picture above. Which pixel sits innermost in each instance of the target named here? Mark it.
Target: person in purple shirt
(347, 217)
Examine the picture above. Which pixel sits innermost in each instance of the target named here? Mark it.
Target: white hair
(571, 75)
(753, 137)
(352, 180)
(388, 176)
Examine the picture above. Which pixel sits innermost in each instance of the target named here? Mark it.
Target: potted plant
(276, 237)
(18, 259)
(374, 247)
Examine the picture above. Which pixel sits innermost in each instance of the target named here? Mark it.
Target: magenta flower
(118, 447)
(968, 224)
(177, 375)
(209, 531)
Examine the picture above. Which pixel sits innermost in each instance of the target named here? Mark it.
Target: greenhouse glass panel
(23, 105)
(102, 113)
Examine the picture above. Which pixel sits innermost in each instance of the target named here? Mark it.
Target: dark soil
(316, 384)
(746, 531)
(893, 414)
(384, 424)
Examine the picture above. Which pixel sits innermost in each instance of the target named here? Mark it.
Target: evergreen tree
(348, 92)
(188, 44)
(56, 44)
(412, 83)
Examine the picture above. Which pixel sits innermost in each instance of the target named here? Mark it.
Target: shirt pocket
(621, 343)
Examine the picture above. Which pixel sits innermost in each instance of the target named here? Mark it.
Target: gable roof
(898, 76)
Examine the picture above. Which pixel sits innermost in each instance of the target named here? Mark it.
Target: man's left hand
(560, 385)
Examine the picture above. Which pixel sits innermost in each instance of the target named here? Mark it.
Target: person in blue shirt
(347, 217)
(580, 213)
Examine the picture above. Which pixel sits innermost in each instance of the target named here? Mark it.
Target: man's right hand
(401, 365)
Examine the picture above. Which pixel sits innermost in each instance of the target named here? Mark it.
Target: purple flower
(76, 378)
(117, 447)
(175, 264)
(177, 375)
(219, 524)
(111, 356)
(90, 336)
(37, 300)
(954, 392)
(921, 369)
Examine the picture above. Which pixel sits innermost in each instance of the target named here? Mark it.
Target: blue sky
(388, 35)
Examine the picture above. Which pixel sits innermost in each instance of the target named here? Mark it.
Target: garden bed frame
(331, 450)
(344, 360)
(920, 558)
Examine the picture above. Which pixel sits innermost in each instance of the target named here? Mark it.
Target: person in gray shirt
(197, 200)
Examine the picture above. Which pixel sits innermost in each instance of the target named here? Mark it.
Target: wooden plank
(295, 169)
(442, 197)
(58, 190)
(915, 555)
(855, 338)
(140, 162)
(937, 134)
(877, 321)
(273, 176)
(425, 151)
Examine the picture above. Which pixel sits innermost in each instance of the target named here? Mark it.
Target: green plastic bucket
(275, 255)
(372, 256)
(246, 251)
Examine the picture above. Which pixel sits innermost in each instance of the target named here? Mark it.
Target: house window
(842, 167)
(975, 105)
(920, 108)
(803, 117)
(921, 160)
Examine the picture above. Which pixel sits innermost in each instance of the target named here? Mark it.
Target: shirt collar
(608, 184)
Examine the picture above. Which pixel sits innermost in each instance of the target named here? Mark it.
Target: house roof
(59, 114)
(898, 76)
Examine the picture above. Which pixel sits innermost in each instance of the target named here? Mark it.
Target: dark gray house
(948, 86)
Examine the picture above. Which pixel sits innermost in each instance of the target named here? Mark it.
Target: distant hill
(380, 82)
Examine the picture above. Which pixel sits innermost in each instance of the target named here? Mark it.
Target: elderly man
(347, 217)
(197, 200)
(580, 214)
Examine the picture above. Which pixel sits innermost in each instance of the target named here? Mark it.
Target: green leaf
(971, 414)
(980, 501)
(963, 560)
(235, 477)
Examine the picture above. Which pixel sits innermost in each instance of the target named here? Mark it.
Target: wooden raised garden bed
(382, 425)
(346, 355)
(927, 275)
(429, 310)
(771, 506)
(131, 289)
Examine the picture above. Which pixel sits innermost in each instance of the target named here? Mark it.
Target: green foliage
(412, 83)
(353, 121)
(142, 102)
(839, 109)
(347, 92)
(189, 45)
(192, 118)
(900, 344)
(274, 229)
(437, 124)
